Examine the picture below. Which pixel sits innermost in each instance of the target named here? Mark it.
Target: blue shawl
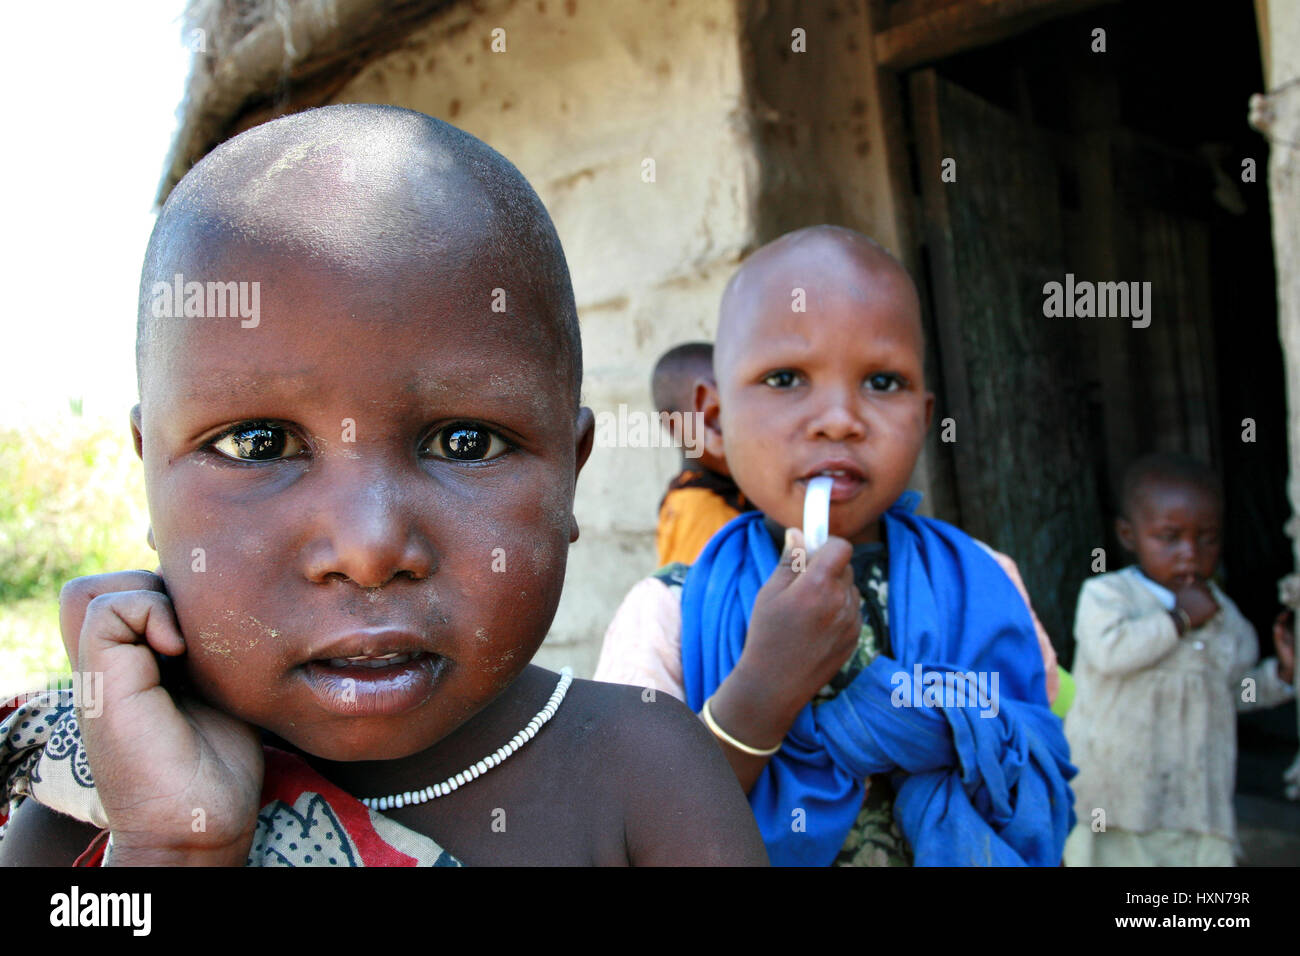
(980, 778)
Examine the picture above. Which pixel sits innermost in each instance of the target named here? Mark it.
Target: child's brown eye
(258, 441)
(782, 379)
(885, 382)
(462, 442)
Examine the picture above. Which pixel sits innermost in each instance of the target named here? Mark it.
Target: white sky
(92, 90)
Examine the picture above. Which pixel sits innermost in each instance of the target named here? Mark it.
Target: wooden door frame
(906, 35)
(910, 33)
(913, 32)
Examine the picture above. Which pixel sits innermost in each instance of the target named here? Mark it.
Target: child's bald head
(810, 260)
(819, 370)
(672, 382)
(370, 190)
(381, 467)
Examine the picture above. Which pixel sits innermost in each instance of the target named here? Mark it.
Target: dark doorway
(1143, 147)
(1138, 151)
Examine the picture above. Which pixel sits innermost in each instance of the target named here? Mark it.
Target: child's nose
(837, 419)
(370, 535)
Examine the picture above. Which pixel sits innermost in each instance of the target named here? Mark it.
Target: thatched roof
(256, 59)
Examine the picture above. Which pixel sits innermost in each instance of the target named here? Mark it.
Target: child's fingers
(132, 700)
(794, 545)
(831, 562)
(793, 560)
(77, 594)
(1284, 642)
(110, 638)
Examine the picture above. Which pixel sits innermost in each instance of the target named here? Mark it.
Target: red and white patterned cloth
(304, 821)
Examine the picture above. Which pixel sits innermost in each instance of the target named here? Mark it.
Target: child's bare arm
(1284, 644)
(682, 803)
(804, 626)
(39, 836)
(1269, 680)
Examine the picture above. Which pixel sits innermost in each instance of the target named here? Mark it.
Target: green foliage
(31, 650)
(71, 503)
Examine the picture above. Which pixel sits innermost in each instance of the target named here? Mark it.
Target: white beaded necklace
(410, 797)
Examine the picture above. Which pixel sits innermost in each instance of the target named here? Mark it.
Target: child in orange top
(703, 497)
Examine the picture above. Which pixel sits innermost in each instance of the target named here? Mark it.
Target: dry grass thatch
(264, 58)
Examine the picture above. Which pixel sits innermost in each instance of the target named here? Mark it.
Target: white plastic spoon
(817, 512)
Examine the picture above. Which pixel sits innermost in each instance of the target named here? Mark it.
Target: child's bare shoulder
(681, 801)
(631, 726)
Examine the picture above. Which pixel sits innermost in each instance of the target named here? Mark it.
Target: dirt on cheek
(547, 563)
(503, 662)
(213, 641)
(213, 644)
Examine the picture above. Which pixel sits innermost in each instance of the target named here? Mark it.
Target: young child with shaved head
(362, 504)
(884, 699)
(702, 497)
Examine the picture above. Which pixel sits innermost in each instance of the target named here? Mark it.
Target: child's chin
(376, 750)
(379, 746)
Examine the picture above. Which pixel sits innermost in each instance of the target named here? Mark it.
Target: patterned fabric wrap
(304, 821)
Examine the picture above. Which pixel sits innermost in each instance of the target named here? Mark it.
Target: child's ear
(1124, 531)
(584, 431)
(138, 440)
(708, 404)
(929, 409)
(136, 437)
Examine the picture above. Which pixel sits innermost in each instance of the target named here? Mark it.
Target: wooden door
(1011, 383)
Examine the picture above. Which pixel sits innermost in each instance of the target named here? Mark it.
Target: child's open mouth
(848, 479)
(363, 660)
(374, 685)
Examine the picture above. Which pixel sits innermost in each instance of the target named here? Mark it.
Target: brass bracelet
(725, 737)
(1184, 617)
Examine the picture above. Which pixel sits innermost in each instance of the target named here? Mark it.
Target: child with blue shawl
(882, 700)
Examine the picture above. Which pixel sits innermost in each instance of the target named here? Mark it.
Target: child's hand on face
(1195, 599)
(1284, 642)
(804, 626)
(179, 781)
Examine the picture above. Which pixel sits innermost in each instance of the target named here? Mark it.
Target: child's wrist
(173, 856)
(749, 714)
(125, 851)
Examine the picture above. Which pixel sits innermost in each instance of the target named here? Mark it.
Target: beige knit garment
(1153, 727)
